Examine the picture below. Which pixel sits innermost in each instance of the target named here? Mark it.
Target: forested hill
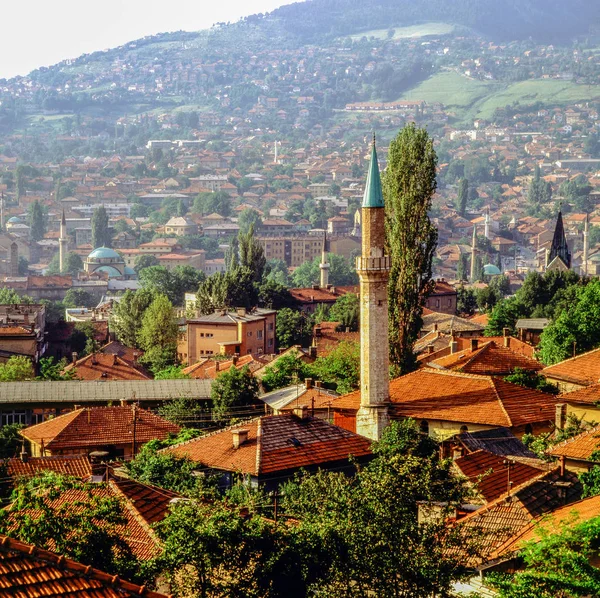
(543, 20)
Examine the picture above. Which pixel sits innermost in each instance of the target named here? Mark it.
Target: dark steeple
(559, 244)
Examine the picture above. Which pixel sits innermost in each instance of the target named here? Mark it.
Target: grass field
(468, 99)
(424, 30)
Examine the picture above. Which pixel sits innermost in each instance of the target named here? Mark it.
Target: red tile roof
(579, 447)
(490, 359)
(489, 473)
(102, 366)
(28, 571)
(99, 426)
(590, 395)
(78, 466)
(275, 444)
(326, 338)
(310, 295)
(464, 398)
(583, 369)
(207, 368)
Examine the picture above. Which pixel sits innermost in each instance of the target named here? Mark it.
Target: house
(493, 475)
(181, 226)
(106, 366)
(580, 452)
(326, 338)
(451, 325)
(576, 372)
(582, 403)
(77, 466)
(208, 368)
(448, 403)
(225, 332)
(22, 331)
(119, 431)
(530, 329)
(443, 298)
(310, 395)
(309, 299)
(272, 448)
(487, 358)
(26, 570)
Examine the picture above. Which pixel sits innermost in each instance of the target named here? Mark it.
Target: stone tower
(373, 268)
(62, 242)
(324, 265)
(474, 254)
(586, 245)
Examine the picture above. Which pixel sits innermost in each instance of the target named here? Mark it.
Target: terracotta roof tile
(589, 395)
(579, 447)
(101, 366)
(583, 369)
(99, 426)
(489, 473)
(78, 466)
(29, 571)
(275, 444)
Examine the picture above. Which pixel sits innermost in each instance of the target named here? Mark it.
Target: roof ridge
(476, 354)
(596, 428)
(30, 550)
(259, 446)
(493, 382)
(451, 373)
(572, 358)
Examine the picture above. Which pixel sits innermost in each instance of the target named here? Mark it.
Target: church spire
(559, 247)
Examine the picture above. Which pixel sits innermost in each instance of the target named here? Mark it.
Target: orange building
(240, 332)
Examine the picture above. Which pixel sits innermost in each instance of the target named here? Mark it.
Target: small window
(424, 426)
(249, 333)
(528, 429)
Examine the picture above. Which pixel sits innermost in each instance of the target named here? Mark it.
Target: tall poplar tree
(37, 222)
(463, 196)
(408, 186)
(100, 232)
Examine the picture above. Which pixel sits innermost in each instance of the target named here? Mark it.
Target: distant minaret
(373, 270)
(473, 253)
(324, 265)
(62, 242)
(487, 225)
(275, 160)
(586, 245)
(2, 211)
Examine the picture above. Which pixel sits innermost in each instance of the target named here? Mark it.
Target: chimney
(241, 312)
(94, 359)
(136, 356)
(453, 346)
(318, 384)
(74, 357)
(435, 327)
(317, 331)
(124, 402)
(301, 412)
(505, 332)
(308, 383)
(312, 351)
(115, 360)
(562, 466)
(234, 359)
(507, 341)
(430, 349)
(474, 344)
(217, 366)
(240, 436)
(560, 416)
(76, 407)
(24, 455)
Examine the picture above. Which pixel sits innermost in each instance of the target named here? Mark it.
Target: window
(424, 426)
(528, 429)
(270, 342)
(249, 333)
(259, 334)
(270, 326)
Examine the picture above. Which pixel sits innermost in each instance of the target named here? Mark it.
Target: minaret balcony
(373, 263)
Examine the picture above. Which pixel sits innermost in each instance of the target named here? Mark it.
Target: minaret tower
(324, 265)
(373, 270)
(487, 225)
(62, 242)
(473, 254)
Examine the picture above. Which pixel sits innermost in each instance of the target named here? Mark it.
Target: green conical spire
(373, 195)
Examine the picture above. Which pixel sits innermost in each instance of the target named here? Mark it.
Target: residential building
(442, 299)
(181, 226)
(225, 332)
(22, 331)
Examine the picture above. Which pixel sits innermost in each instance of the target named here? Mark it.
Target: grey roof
(447, 323)
(232, 317)
(78, 391)
(499, 441)
(277, 399)
(533, 323)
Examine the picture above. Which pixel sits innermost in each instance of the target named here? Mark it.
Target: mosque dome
(104, 253)
(491, 270)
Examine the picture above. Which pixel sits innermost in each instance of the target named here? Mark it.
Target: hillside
(544, 20)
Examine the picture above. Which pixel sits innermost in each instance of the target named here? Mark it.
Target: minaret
(473, 253)
(62, 242)
(324, 265)
(487, 225)
(373, 270)
(586, 245)
(2, 211)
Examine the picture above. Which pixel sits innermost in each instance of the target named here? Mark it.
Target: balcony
(373, 263)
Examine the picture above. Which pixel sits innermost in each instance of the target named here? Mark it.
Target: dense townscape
(206, 241)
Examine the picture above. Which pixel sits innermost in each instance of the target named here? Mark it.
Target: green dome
(104, 253)
(112, 272)
(491, 270)
(130, 271)
(14, 220)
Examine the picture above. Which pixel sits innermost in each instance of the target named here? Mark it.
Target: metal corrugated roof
(107, 390)
(533, 323)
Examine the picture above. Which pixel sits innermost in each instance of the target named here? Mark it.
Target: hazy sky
(41, 32)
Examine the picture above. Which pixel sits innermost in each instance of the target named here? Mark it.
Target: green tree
(285, 371)
(158, 334)
(531, 379)
(560, 562)
(8, 296)
(346, 311)
(463, 196)
(209, 203)
(73, 264)
(293, 327)
(233, 388)
(101, 236)
(249, 218)
(408, 187)
(273, 295)
(78, 298)
(504, 315)
(51, 369)
(252, 255)
(126, 318)
(18, 368)
(37, 221)
(173, 372)
(190, 413)
(340, 367)
(87, 528)
(145, 261)
(466, 301)
(10, 441)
